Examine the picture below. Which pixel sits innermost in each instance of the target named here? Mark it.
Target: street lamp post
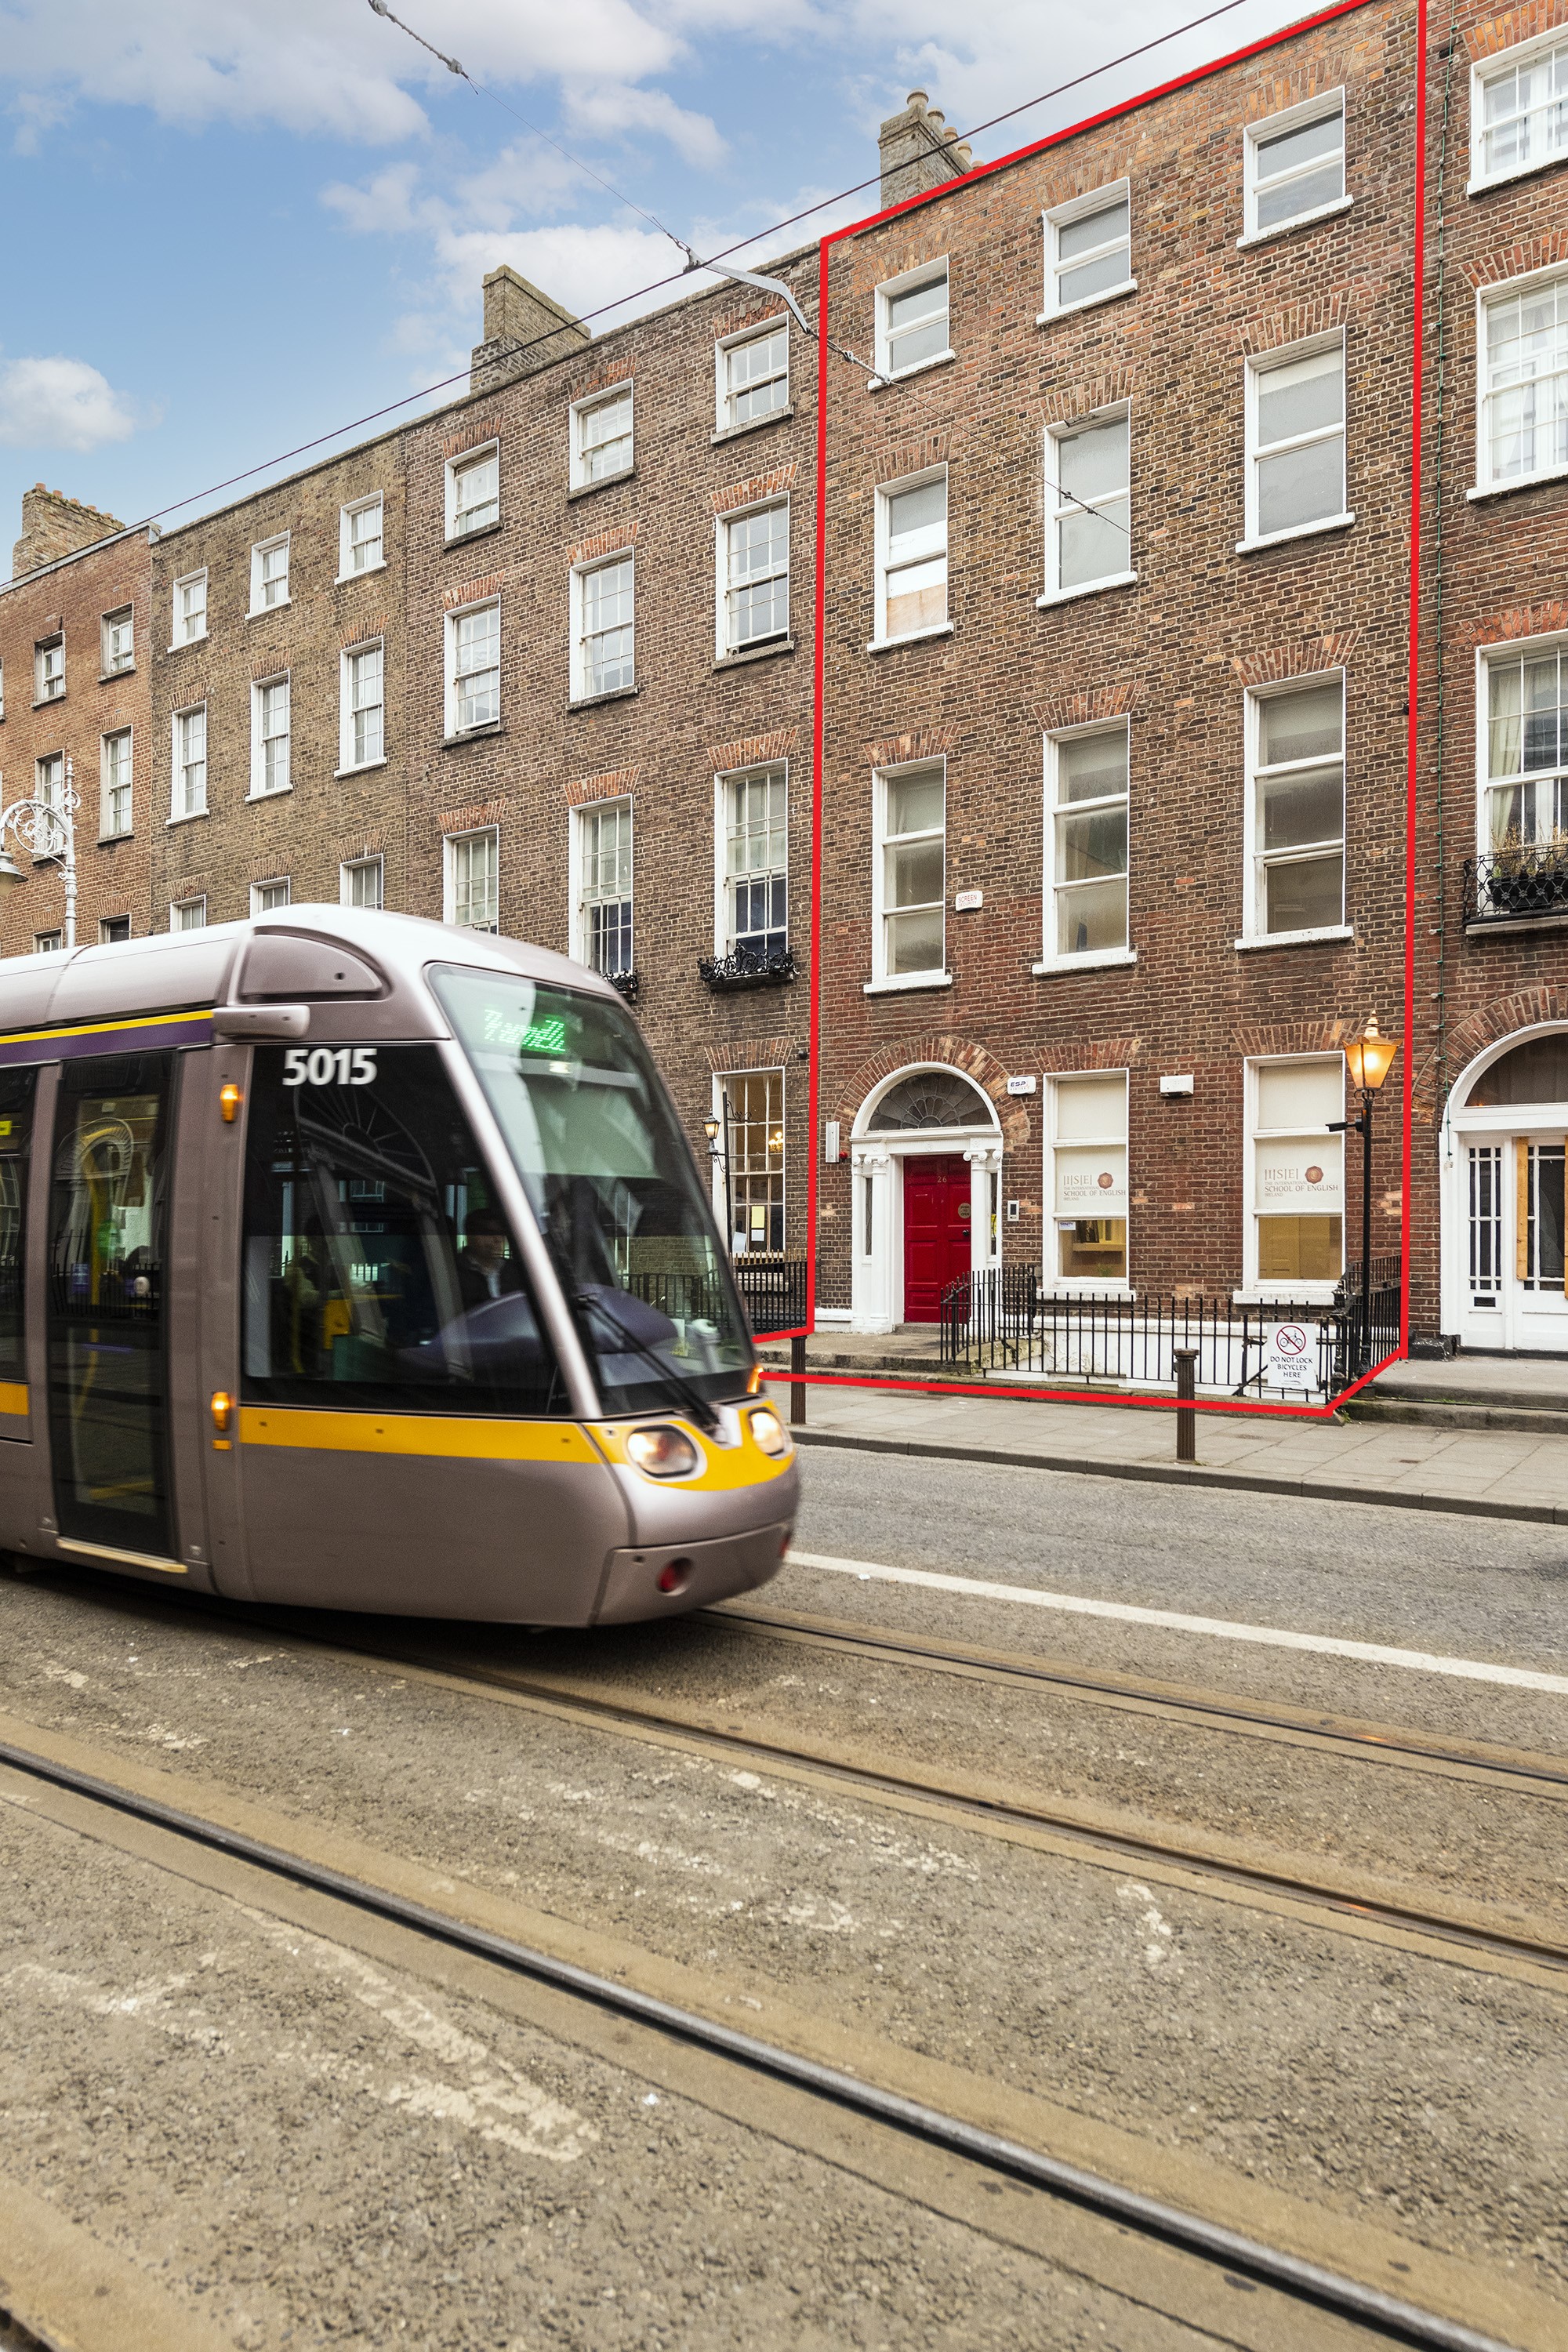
(714, 1130)
(1368, 1060)
(48, 831)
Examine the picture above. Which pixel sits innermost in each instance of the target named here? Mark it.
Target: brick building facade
(75, 678)
(1116, 560)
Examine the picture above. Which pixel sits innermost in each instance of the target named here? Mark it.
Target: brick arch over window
(972, 1060)
(1530, 1008)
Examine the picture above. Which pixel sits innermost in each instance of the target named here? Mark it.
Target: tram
(351, 1260)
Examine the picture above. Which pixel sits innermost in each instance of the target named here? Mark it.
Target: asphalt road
(312, 2133)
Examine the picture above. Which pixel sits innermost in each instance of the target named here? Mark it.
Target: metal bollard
(798, 1386)
(1186, 1360)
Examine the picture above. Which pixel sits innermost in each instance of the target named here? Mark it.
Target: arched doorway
(926, 1158)
(1505, 1262)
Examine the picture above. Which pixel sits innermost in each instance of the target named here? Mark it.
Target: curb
(1175, 1474)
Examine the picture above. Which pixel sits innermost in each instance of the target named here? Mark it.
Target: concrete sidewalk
(1488, 1473)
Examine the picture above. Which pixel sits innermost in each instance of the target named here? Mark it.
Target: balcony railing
(626, 984)
(1518, 885)
(748, 968)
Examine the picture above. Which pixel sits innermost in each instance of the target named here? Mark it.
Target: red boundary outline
(1260, 1409)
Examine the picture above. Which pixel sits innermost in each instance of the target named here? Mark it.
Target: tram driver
(486, 1269)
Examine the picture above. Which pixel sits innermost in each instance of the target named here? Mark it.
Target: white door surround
(877, 1190)
(1484, 1159)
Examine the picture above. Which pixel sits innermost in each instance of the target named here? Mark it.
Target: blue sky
(235, 225)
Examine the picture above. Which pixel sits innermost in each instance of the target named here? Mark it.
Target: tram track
(1309, 2284)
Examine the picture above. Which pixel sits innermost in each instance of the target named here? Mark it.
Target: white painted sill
(1297, 220)
(905, 982)
(1525, 482)
(1089, 302)
(1094, 960)
(1297, 531)
(1299, 1293)
(914, 638)
(186, 642)
(363, 768)
(191, 817)
(722, 433)
(1064, 1288)
(1330, 932)
(1506, 179)
(879, 382)
(1087, 588)
(279, 793)
(264, 612)
(345, 578)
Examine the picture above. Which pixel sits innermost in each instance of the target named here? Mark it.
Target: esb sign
(1290, 1356)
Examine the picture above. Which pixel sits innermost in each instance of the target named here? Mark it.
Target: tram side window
(17, 1090)
(379, 1271)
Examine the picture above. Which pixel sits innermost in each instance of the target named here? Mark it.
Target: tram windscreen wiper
(696, 1403)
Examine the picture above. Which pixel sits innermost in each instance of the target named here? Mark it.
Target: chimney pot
(919, 150)
(918, 97)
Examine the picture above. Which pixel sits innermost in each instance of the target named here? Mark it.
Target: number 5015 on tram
(349, 1260)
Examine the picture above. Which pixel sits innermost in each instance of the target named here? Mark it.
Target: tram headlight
(770, 1432)
(663, 1452)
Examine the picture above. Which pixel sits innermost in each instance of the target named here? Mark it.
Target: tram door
(108, 1295)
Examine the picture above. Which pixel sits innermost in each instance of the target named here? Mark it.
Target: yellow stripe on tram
(14, 1398)
(432, 1435)
(105, 1028)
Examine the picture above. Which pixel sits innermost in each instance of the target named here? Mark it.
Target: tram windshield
(611, 1182)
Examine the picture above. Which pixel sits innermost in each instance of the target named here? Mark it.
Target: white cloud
(59, 404)
(339, 69)
(605, 108)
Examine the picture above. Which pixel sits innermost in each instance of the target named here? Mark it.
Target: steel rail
(1309, 2282)
(1499, 1942)
(1221, 1711)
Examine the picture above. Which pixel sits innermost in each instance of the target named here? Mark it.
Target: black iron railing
(1000, 1321)
(1511, 885)
(748, 968)
(773, 1290)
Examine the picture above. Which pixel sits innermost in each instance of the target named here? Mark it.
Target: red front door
(936, 1232)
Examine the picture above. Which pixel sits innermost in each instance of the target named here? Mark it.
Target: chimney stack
(519, 337)
(919, 150)
(53, 526)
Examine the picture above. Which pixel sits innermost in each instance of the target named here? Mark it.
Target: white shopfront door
(1513, 1271)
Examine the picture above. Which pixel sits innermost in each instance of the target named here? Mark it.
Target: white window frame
(1067, 215)
(262, 549)
(261, 904)
(885, 494)
(724, 1172)
(883, 982)
(1254, 1291)
(1487, 297)
(47, 942)
(2, 689)
(178, 816)
(725, 781)
(196, 905)
(107, 938)
(1261, 365)
(1506, 650)
(457, 466)
(581, 689)
(460, 612)
(1056, 505)
(179, 634)
(260, 687)
(1294, 118)
(722, 648)
(1090, 959)
(725, 423)
(449, 846)
(1252, 934)
(108, 830)
(42, 674)
(1485, 70)
(347, 569)
(125, 613)
(580, 925)
(347, 764)
(351, 866)
(1054, 1284)
(578, 476)
(925, 273)
(50, 786)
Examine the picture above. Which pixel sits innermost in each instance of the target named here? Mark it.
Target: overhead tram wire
(657, 286)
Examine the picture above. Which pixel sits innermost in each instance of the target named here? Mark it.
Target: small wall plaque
(1022, 1086)
(967, 901)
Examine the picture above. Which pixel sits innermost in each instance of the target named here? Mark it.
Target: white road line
(1276, 1637)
